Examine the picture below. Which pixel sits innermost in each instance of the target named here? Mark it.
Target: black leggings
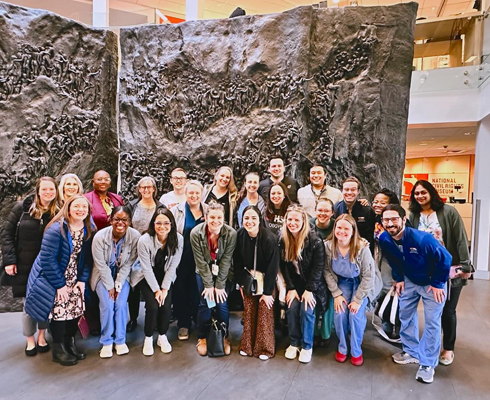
(155, 317)
(63, 329)
(134, 303)
(449, 319)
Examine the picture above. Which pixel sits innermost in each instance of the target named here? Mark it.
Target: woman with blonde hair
(349, 272)
(57, 280)
(21, 242)
(224, 191)
(302, 264)
(70, 185)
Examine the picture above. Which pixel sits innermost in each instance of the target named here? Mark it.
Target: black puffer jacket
(21, 242)
(311, 266)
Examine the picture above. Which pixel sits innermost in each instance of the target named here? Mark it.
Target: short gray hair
(195, 183)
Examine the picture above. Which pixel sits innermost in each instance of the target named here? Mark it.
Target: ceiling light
(469, 133)
(423, 144)
(336, 1)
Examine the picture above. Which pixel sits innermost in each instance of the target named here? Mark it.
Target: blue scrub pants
(427, 348)
(345, 321)
(113, 314)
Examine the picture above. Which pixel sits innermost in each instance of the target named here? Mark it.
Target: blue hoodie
(424, 260)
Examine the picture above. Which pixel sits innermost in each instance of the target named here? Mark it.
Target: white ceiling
(429, 141)
(222, 9)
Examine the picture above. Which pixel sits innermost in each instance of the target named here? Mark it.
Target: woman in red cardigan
(102, 200)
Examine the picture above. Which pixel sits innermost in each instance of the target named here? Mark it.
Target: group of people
(315, 255)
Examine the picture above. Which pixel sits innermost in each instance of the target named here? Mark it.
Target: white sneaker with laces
(148, 346)
(106, 351)
(165, 346)
(305, 355)
(291, 352)
(122, 349)
(263, 357)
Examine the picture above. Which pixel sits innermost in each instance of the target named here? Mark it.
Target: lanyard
(117, 260)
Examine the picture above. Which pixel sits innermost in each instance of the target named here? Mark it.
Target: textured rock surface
(327, 86)
(58, 82)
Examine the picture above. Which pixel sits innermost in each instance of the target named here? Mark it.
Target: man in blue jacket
(420, 266)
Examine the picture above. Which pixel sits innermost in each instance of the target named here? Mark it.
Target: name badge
(413, 250)
(361, 219)
(215, 269)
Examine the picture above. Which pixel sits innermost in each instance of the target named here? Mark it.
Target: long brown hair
(269, 211)
(64, 215)
(37, 210)
(356, 242)
(293, 246)
(243, 191)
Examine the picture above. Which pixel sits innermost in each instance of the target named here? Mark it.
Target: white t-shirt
(170, 199)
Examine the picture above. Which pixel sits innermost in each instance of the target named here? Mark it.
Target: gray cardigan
(454, 236)
(101, 253)
(179, 214)
(147, 250)
(370, 285)
(202, 255)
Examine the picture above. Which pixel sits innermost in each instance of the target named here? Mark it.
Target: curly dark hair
(436, 202)
(172, 241)
(392, 197)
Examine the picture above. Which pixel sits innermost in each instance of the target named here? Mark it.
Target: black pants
(63, 329)
(186, 297)
(134, 303)
(449, 319)
(156, 316)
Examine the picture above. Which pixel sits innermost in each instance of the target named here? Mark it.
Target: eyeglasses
(165, 224)
(392, 220)
(146, 188)
(123, 220)
(178, 178)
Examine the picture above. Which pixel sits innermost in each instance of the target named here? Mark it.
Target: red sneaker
(340, 357)
(357, 361)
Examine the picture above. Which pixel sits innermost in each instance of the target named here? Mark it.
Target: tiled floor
(183, 374)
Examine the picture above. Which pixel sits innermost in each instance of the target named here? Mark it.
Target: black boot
(71, 347)
(61, 356)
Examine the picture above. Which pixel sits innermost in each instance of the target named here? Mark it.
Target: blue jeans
(345, 321)
(301, 325)
(204, 312)
(113, 313)
(427, 348)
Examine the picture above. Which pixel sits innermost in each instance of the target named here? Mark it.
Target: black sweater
(267, 256)
(21, 242)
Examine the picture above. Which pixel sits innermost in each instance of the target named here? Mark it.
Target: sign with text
(447, 184)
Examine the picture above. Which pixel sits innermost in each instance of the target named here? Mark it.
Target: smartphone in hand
(211, 304)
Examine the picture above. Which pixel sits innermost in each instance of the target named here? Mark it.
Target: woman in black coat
(302, 264)
(21, 242)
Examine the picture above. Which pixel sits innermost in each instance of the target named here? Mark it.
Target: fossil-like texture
(58, 83)
(328, 86)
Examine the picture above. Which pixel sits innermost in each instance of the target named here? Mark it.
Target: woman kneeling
(349, 273)
(114, 250)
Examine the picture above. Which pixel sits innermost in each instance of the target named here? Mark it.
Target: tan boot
(202, 347)
(227, 347)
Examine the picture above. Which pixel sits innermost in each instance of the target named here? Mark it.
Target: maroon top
(99, 214)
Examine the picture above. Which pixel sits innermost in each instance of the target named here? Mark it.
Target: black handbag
(252, 286)
(216, 339)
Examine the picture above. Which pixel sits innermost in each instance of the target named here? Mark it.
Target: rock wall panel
(58, 83)
(327, 86)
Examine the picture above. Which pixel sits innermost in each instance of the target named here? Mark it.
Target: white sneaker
(148, 346)
(106, 351)
(122, 349)
(242, 353)
(292, 352)
(263, 357)
(305, 355)
(165, 346)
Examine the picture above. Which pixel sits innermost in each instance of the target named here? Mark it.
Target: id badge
(215, 269)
